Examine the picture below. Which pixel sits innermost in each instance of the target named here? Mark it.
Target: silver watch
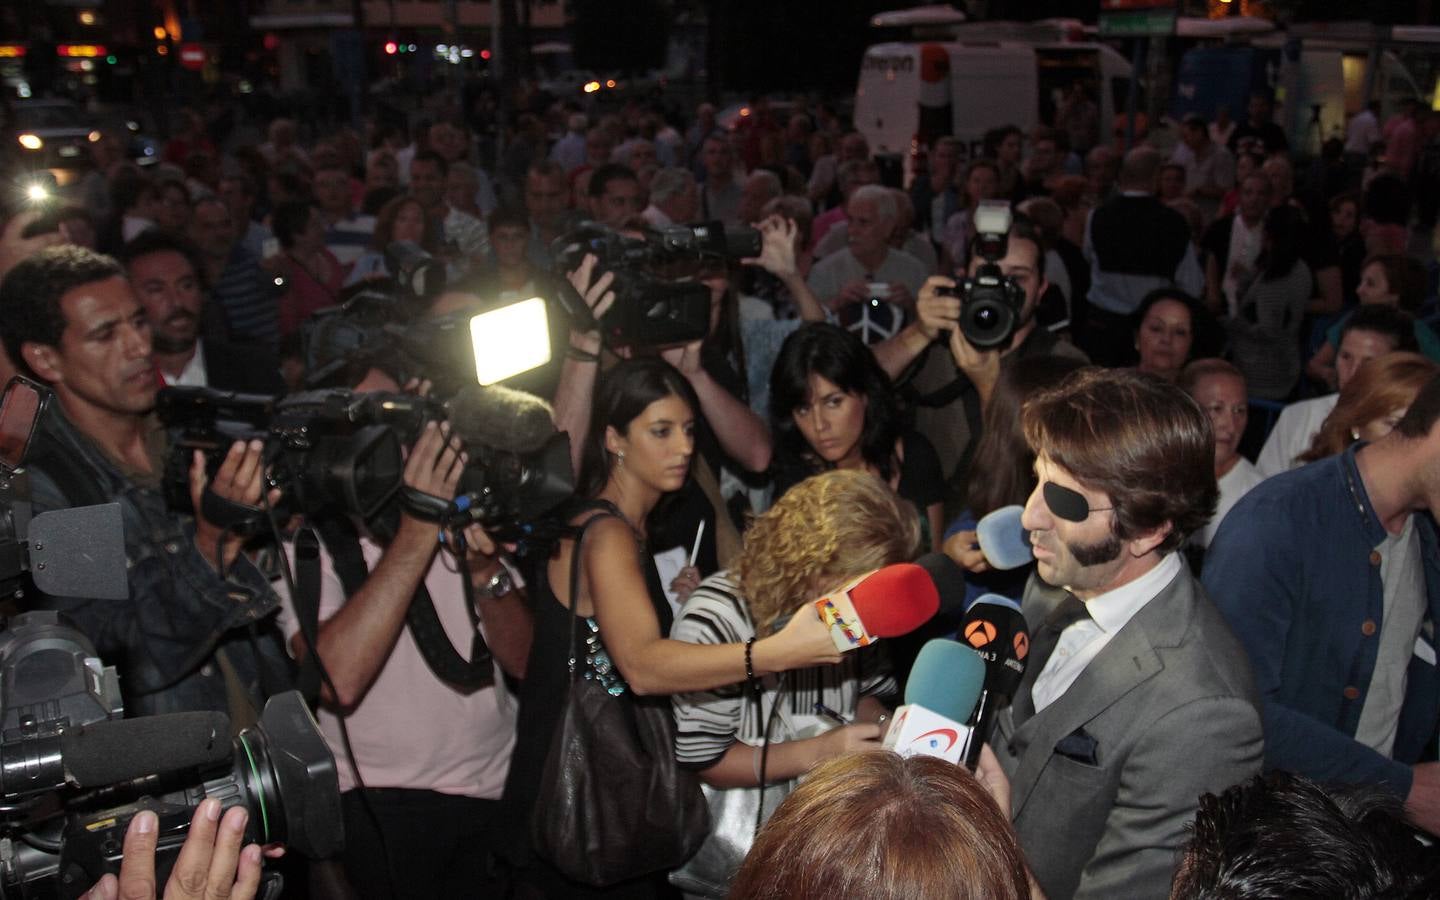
(498, 586)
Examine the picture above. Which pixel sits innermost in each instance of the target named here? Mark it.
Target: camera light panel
(510, 340)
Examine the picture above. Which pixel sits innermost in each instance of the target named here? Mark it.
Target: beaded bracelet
(750, 661)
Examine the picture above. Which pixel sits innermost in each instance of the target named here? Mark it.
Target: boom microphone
(109, 752)
(502, 418)
(996, 629)
(884, 603)
(940, 695)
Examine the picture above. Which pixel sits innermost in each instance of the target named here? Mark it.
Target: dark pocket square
(1079, 746)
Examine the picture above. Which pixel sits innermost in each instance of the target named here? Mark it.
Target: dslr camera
(658, 298)
(990, 302)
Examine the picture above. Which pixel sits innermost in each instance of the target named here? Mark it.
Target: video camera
(73, 772)
(657, 300)
(990, 301)
(339, 453)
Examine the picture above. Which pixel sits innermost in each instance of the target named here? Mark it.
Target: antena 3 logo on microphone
(837, 610)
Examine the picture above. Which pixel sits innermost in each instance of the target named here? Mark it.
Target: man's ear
(1144, 543)
(43, 360)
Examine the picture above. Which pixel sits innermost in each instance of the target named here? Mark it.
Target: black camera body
(62, 827)
(991, 303)
(653, 307)
(332, 452)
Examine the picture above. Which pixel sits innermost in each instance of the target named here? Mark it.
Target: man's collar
(1112, 609)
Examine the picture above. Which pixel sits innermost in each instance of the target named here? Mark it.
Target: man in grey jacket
(1136, 699)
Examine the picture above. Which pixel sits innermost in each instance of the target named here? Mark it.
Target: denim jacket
(167, 640)
(1293, 570)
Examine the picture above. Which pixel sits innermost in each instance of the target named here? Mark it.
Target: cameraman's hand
(434, 468)
(14, 247)
(854, 292)
(777, 248)
(935, 312)
(900, 296)
(685, 357)
(597, 295)
(240, 479)
(211, 863)
(981, 366)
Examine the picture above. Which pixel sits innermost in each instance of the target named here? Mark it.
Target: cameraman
(953, 388)
(433, 756)
(197, 632)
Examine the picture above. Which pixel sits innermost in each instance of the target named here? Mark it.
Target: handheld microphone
(109, 752)
(996, 629)
(940, 696)
(1003, 540)
(884, 603)
(949, 580)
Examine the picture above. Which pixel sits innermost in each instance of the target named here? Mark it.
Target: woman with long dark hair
(638, 450)
(832, 407)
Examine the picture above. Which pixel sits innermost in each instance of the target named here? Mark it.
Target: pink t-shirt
(1400, 144)
(412, 730)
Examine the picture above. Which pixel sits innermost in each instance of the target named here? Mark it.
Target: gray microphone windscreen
(502, 418)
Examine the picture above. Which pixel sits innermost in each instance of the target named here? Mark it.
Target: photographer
(432, 755)
(953, 388)
(197, 632)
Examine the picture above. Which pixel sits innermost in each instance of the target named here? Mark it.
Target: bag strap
(608, 510)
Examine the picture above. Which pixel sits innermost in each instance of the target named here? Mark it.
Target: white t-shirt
(1234, 484)
(1292, 434)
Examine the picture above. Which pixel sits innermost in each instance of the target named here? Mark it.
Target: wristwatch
(498, 586)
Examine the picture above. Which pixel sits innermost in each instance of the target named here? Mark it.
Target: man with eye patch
(1136, 697)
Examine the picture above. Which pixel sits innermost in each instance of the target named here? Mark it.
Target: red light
(484, 54)
(271, 41)
(391, 48)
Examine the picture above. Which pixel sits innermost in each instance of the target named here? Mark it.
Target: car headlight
(31, 141)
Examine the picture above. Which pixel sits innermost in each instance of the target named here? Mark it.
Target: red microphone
(884, 603)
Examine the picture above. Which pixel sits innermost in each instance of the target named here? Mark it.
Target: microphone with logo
(940, 696)
(996, 629)
(885, 603)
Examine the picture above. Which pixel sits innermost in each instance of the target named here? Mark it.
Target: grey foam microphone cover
(502, 418)
(1003, 540)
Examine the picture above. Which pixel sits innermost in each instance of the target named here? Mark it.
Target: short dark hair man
(952, 377)
(1136, 698)
(615, 195)
(198, 630)
(1329, 576)
(186, 337)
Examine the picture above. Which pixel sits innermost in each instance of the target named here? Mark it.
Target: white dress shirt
(1082, 641)
(193, 375)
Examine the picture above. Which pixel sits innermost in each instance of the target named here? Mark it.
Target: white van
(966, 88)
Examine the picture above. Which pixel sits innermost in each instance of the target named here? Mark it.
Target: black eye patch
(1069, 504)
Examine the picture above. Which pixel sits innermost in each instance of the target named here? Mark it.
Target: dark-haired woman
(832, 407)
(1264, 336)
(638, 449)
(312, 273)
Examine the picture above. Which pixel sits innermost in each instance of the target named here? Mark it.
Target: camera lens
(986, 317)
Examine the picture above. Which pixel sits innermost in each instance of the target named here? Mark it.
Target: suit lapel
(1127, 661)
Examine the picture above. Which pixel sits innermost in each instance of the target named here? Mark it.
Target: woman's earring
(620, 455)
(1355, 434)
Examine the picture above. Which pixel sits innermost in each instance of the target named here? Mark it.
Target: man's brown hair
(1143, 442)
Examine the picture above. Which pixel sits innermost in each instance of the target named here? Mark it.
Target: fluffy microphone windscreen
(502, 418)
(895, 600)
(1003, 540)
(107, 752)
(946, 679)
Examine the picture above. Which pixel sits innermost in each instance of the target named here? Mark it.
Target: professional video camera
(337, 452)
(73, 773)
(657, 299)
(386, 326)
(990, 301)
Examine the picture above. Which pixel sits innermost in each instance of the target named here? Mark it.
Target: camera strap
(423, 621)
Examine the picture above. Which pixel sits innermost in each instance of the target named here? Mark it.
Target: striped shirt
(708, 722)
(250, 300)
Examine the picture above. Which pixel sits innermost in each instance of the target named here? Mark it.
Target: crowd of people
(1217, 407)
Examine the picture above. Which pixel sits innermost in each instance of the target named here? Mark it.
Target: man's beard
(164, 343)
(1107, 550)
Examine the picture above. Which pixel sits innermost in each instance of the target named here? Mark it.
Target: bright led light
(510, 340)
(610, 83)
(31, 141)
(592, 87)
(36, 193)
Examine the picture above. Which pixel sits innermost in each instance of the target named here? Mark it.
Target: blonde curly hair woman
(823, 533)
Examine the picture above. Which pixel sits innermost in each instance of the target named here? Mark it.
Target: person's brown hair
(873, 825)
(1381, 385)
(1404, 277)
(385, 225)
(1144, 443)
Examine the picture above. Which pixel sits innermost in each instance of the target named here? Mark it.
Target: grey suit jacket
(1105, 779)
